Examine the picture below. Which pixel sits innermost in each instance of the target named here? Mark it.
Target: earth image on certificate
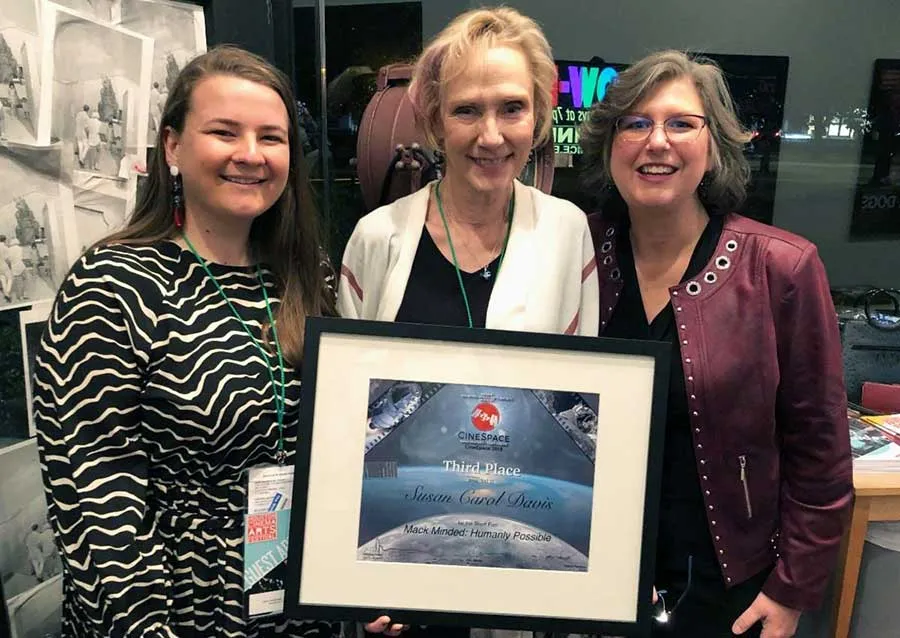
(478, 476)
(479, 538)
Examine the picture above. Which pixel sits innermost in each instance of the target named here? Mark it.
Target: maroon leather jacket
(762, 364)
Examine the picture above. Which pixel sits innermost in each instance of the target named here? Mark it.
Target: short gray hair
(730, 172)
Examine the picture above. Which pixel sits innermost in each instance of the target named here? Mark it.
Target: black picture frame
(329, 341)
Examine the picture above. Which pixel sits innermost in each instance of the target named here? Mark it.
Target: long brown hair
(286, 237)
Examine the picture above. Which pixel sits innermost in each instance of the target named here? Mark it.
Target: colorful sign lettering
(579, 86)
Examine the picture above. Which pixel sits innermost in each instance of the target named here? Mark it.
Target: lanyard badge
(266, 525)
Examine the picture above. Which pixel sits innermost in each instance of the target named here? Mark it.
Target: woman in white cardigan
(478, 248)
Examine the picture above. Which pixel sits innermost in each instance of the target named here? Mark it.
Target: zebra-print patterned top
(150, 401)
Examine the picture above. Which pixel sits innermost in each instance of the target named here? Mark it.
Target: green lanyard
(462, 287)
(280, 455)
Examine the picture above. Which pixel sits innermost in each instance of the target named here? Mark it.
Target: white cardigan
(547, 283)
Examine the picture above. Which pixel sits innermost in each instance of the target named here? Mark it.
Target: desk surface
(876, 500)
(877, 483)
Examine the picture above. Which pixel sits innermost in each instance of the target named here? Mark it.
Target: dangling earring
(177, 197)
(439, 164)
(703, 186)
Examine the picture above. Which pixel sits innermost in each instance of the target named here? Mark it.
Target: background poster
(29, 561)
(96, 81)
(35, 220)
(179, 34)
(75, 108)
(20, 83)
(876, 205)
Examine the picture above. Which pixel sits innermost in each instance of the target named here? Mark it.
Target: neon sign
(579, 86)
(584, 84)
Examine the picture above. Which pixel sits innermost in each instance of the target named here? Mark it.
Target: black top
(433, 296)
(683, 528)
(186, 370)
(432, 293)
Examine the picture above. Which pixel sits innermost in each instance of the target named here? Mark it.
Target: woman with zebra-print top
(161, 377)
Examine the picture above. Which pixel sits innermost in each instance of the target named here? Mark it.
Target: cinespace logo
(583, 85)
(485, 416)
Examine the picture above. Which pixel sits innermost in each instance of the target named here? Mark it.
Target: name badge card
(266, 526)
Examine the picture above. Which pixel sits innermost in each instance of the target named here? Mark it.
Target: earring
(177, 197)
(703, 186)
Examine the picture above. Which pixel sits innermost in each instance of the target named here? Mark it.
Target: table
(877, 499)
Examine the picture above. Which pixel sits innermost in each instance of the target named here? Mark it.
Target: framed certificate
(476, 477)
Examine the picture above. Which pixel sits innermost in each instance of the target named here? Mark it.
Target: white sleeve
(352, 276)
(589, 313)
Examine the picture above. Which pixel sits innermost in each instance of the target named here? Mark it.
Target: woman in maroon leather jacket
(757, 472)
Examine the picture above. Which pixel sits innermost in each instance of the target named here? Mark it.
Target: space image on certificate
(480, 476)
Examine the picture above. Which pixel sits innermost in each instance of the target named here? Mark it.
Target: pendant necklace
(486, 273)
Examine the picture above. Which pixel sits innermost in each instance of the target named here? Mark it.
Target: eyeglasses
(663, 614)
(678, 128)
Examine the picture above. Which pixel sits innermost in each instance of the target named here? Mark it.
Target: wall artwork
(78, 109)
(37, 612)
(179, 34)
(20, 86)
(35, 217)
(101, 10)
(876, 204)
(96, 77)
(97, 214)
(29, 561)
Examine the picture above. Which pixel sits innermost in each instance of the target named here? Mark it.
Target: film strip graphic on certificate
(390, 404)
(575, 415)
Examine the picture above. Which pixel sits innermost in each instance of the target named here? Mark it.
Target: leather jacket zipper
(743, 460)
